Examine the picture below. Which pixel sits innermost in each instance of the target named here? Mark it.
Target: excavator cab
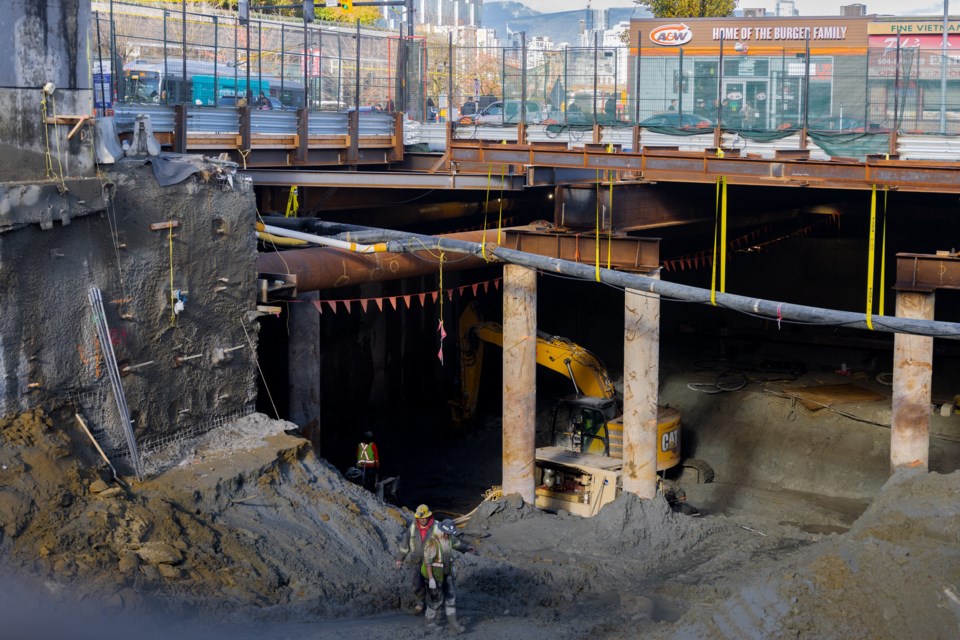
(581, 424)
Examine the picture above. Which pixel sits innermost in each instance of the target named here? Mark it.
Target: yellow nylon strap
(293, 202)
(716, 233)
(723, 235)
(486, 202)
(596, 238)
(500, 218)
(883, 252)
(610, 226)
(870, 255)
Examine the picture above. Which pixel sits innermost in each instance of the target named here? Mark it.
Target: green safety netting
(678, 131)
(765, 135)
(851, 145)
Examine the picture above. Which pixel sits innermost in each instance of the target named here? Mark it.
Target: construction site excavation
(331, 322)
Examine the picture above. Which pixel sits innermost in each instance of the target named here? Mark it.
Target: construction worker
(368, 461)
(422, 529)
(440, 573)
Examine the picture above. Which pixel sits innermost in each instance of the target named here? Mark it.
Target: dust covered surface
(248, 533)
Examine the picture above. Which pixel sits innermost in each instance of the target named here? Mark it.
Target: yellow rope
(596, 239)
(48, 161)
(244, 154)
(723, 234)
(870, 255)
(500, 218)
(486, 204)
(610, 225)
(716, 233)
(53, 105)
(883, 252)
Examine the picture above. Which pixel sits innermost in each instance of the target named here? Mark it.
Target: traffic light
(243, 11)
(308, 12)
(346, 5)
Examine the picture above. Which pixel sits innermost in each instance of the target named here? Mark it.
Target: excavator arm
(584, 369)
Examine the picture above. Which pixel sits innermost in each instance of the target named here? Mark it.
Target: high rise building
(438, 15)
(787, 8)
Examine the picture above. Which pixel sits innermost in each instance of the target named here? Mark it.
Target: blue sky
(806, 7)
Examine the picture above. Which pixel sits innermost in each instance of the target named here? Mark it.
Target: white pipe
(380, 247)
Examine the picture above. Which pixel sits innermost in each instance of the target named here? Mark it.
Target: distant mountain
(563, 26)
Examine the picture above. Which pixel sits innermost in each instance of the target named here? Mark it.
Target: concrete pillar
(912, 374)
(519, 380)
(303, 353)
(641, 380)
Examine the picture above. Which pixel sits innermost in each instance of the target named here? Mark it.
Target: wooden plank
(169, 224)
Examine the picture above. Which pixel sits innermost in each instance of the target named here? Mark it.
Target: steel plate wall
(161, 117)
(376, 124)
(208, 120)
(276, 122)
(327, 123)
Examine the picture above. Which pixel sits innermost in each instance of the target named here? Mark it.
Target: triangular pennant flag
(332, 304)
(440, 354)
(363, 303)
(496, 283)
(423, 299)
(406, 301)
(379, 302)
(393, 302)
(486, 286)
(319, 305)
(433, 295)
(462, 290)
(443, 332)
(475, 286)
(450, 294)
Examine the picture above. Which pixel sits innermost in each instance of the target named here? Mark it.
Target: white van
(509, 113)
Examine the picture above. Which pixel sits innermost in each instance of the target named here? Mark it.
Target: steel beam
(924, 273)
(625, 253)
(385, 179)
(687, 166)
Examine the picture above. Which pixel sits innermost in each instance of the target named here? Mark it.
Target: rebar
(106, 346)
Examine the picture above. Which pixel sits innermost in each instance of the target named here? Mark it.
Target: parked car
(269, 103)
(845, 125)
(505, 113)
(676, 120)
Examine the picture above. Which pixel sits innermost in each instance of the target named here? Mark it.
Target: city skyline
(806, 7)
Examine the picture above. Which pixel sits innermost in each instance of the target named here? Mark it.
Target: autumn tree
(368, 16)
(689, 8)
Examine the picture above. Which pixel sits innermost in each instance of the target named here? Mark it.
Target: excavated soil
(248, 534)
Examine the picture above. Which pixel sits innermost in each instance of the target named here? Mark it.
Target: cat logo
(668, 441)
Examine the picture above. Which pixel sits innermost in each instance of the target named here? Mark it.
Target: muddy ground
(248, 534)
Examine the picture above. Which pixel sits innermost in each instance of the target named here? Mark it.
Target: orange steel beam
(924, 273)
(704, 167)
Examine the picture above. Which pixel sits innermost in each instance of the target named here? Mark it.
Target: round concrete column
(641, 380)
(519, 380)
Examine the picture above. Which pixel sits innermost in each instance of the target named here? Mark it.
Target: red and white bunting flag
(462, 289)
(474, 287)
(319, 305)
(363, 303)
(486, 286)
(433, 296)
(423, 299)
(393, 302)
(496, 283)
(379, 302)
(332, 304)
(450, 294)
(406, 301)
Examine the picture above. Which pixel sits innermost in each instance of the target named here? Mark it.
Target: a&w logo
(672, 35)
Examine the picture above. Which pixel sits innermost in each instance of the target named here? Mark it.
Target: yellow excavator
(585, 455)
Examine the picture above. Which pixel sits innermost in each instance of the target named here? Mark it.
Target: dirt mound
(250, 517)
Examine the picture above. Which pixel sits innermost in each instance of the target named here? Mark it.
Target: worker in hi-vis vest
(368, 461)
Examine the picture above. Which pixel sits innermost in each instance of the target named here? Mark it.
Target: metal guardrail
(225, 120)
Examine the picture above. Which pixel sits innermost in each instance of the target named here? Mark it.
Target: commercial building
(838, 72)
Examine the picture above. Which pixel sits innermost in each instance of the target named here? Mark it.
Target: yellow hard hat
(423, 511)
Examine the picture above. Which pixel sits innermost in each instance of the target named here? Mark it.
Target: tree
(368, 15)
(689, 8)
